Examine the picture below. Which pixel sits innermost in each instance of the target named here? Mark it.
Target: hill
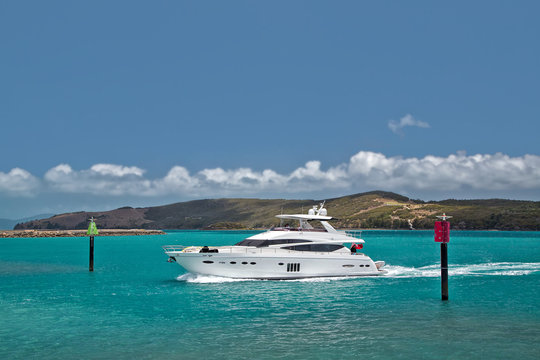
(8, 224)
(376, 209)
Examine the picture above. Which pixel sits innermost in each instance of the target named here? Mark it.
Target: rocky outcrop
(75, 233)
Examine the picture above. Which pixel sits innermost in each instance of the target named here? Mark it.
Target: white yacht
(283, 252)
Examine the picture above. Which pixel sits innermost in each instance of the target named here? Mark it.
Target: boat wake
(207, 279)
(396, 271)
(487, 269)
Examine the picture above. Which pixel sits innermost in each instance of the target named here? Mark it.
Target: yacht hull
(293, 266)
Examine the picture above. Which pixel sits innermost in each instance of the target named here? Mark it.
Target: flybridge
(313, 214)
(304, 217)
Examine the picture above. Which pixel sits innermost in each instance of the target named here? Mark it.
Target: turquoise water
(136, 305)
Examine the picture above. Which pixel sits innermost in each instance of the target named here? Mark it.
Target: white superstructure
(282, 252)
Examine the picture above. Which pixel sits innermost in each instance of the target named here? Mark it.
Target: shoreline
(347, 229)
(75, 233)
(32, 233)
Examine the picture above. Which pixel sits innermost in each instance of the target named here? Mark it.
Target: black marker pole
(92, 230)
(91, 267)
(442, 235)
(444, 271)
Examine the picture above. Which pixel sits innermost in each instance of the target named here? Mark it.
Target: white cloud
(116, 170)
(242, 179)
(310, 177)
(177, 181)
(497, 174)
(18, 182)
(100, 179)
(407, 120)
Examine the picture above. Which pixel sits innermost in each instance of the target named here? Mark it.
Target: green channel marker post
(442, 235)
(92, 230)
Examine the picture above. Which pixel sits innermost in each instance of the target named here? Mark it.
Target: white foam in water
(207, 279)
(396, 271)
(321, 279)
(487, 269)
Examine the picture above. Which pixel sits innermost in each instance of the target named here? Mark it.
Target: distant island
(371, 210)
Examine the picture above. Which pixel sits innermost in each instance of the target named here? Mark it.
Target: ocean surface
(135, 305)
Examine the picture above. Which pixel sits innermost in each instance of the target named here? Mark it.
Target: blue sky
(106, 104)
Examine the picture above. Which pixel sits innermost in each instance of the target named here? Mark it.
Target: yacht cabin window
(263, 243)
(315, 247)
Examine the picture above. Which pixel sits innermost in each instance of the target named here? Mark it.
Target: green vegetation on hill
(376, 209)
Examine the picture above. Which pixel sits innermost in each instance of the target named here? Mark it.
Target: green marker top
(92, 228)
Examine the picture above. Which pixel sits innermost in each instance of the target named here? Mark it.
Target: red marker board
(442, 231)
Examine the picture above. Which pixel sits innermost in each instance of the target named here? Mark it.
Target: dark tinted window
(315, 247)
(262, 243)
(287, 241)
(248, 242)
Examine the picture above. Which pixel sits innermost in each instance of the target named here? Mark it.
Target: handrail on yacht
(357, 234)
(249, 250)
(278, 228)
(170, 248)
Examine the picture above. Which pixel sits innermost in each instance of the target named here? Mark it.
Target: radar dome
(323, 212)
(311, 212)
